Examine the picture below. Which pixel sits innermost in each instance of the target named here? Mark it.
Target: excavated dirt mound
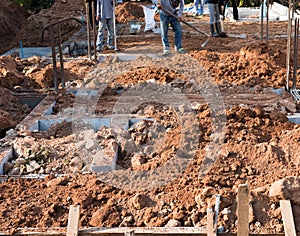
(12, 18)
(128, 11)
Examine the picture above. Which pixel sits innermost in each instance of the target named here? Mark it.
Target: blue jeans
(214, 15)
(176, 26)
(109, 24)
(199, 9)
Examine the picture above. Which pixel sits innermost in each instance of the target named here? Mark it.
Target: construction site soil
(222, 107)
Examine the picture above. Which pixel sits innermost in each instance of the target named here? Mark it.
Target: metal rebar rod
(262, 21)
(62, 69)
(88, 29)
(53, 58)
(94, 29)
(288, 47)
(295, 53)
(267, 24)
(115, 27)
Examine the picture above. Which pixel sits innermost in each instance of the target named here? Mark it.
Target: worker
(170, 14)
(105, 15)
(198, 10)
(214, 18)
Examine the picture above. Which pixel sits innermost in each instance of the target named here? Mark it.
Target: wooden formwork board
(122, 231)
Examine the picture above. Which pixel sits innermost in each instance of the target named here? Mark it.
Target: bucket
(134, 26)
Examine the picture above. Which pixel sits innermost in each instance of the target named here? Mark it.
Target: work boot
(212, 30)
(219, 29)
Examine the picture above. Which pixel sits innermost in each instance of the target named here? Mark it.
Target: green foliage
(34, 6)
(249, 3)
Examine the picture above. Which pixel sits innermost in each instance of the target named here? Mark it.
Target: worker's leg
(235, 9)
(201, 10)
(217, 19)
(100, 35)
(176, 25)
(196, 7)
(164, 25)
(211, 9)
(110, 32)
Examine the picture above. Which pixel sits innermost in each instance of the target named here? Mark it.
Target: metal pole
(262, 21)
(53, 58)
(115, 28)
(267, 26)
(88, 28)
(295, 53)
(62, 69)
(288, 47)
(94, 29)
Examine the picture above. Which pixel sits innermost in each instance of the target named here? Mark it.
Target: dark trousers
(234, 3)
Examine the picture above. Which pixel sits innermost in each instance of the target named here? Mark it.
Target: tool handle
(188, 24)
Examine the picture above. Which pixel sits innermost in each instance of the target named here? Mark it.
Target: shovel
(194, 28)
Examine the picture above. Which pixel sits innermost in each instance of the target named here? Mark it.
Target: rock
(76, 164)
(173, 223)
(288, 104)
(140, 201)
(89, 144)
(58, 181)
(137, 160)
(287, 188)
(32, 166)
(149, 110)
(207, 192)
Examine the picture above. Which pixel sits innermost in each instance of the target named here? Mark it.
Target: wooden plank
(211, 229)
(287, 217)
(243, 210)
(73, 220)
(142, 231)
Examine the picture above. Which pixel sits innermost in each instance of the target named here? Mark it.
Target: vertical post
(287, 218)
(211, 230)
(73, 220)
(295, 53)
(62, 69)
(94, 29)
(115, 28)
(88, 28)
(262, 21)
(288, 47)
(267, 24)
(21, 50)
(53, 58)
(243, 210)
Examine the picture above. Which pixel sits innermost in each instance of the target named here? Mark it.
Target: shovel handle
(188, 24)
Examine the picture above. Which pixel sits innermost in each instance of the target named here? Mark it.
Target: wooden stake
(287, 217)
(243, 210)
(73, 221)
(211, 230)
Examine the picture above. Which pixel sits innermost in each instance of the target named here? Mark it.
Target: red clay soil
(258, 145)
